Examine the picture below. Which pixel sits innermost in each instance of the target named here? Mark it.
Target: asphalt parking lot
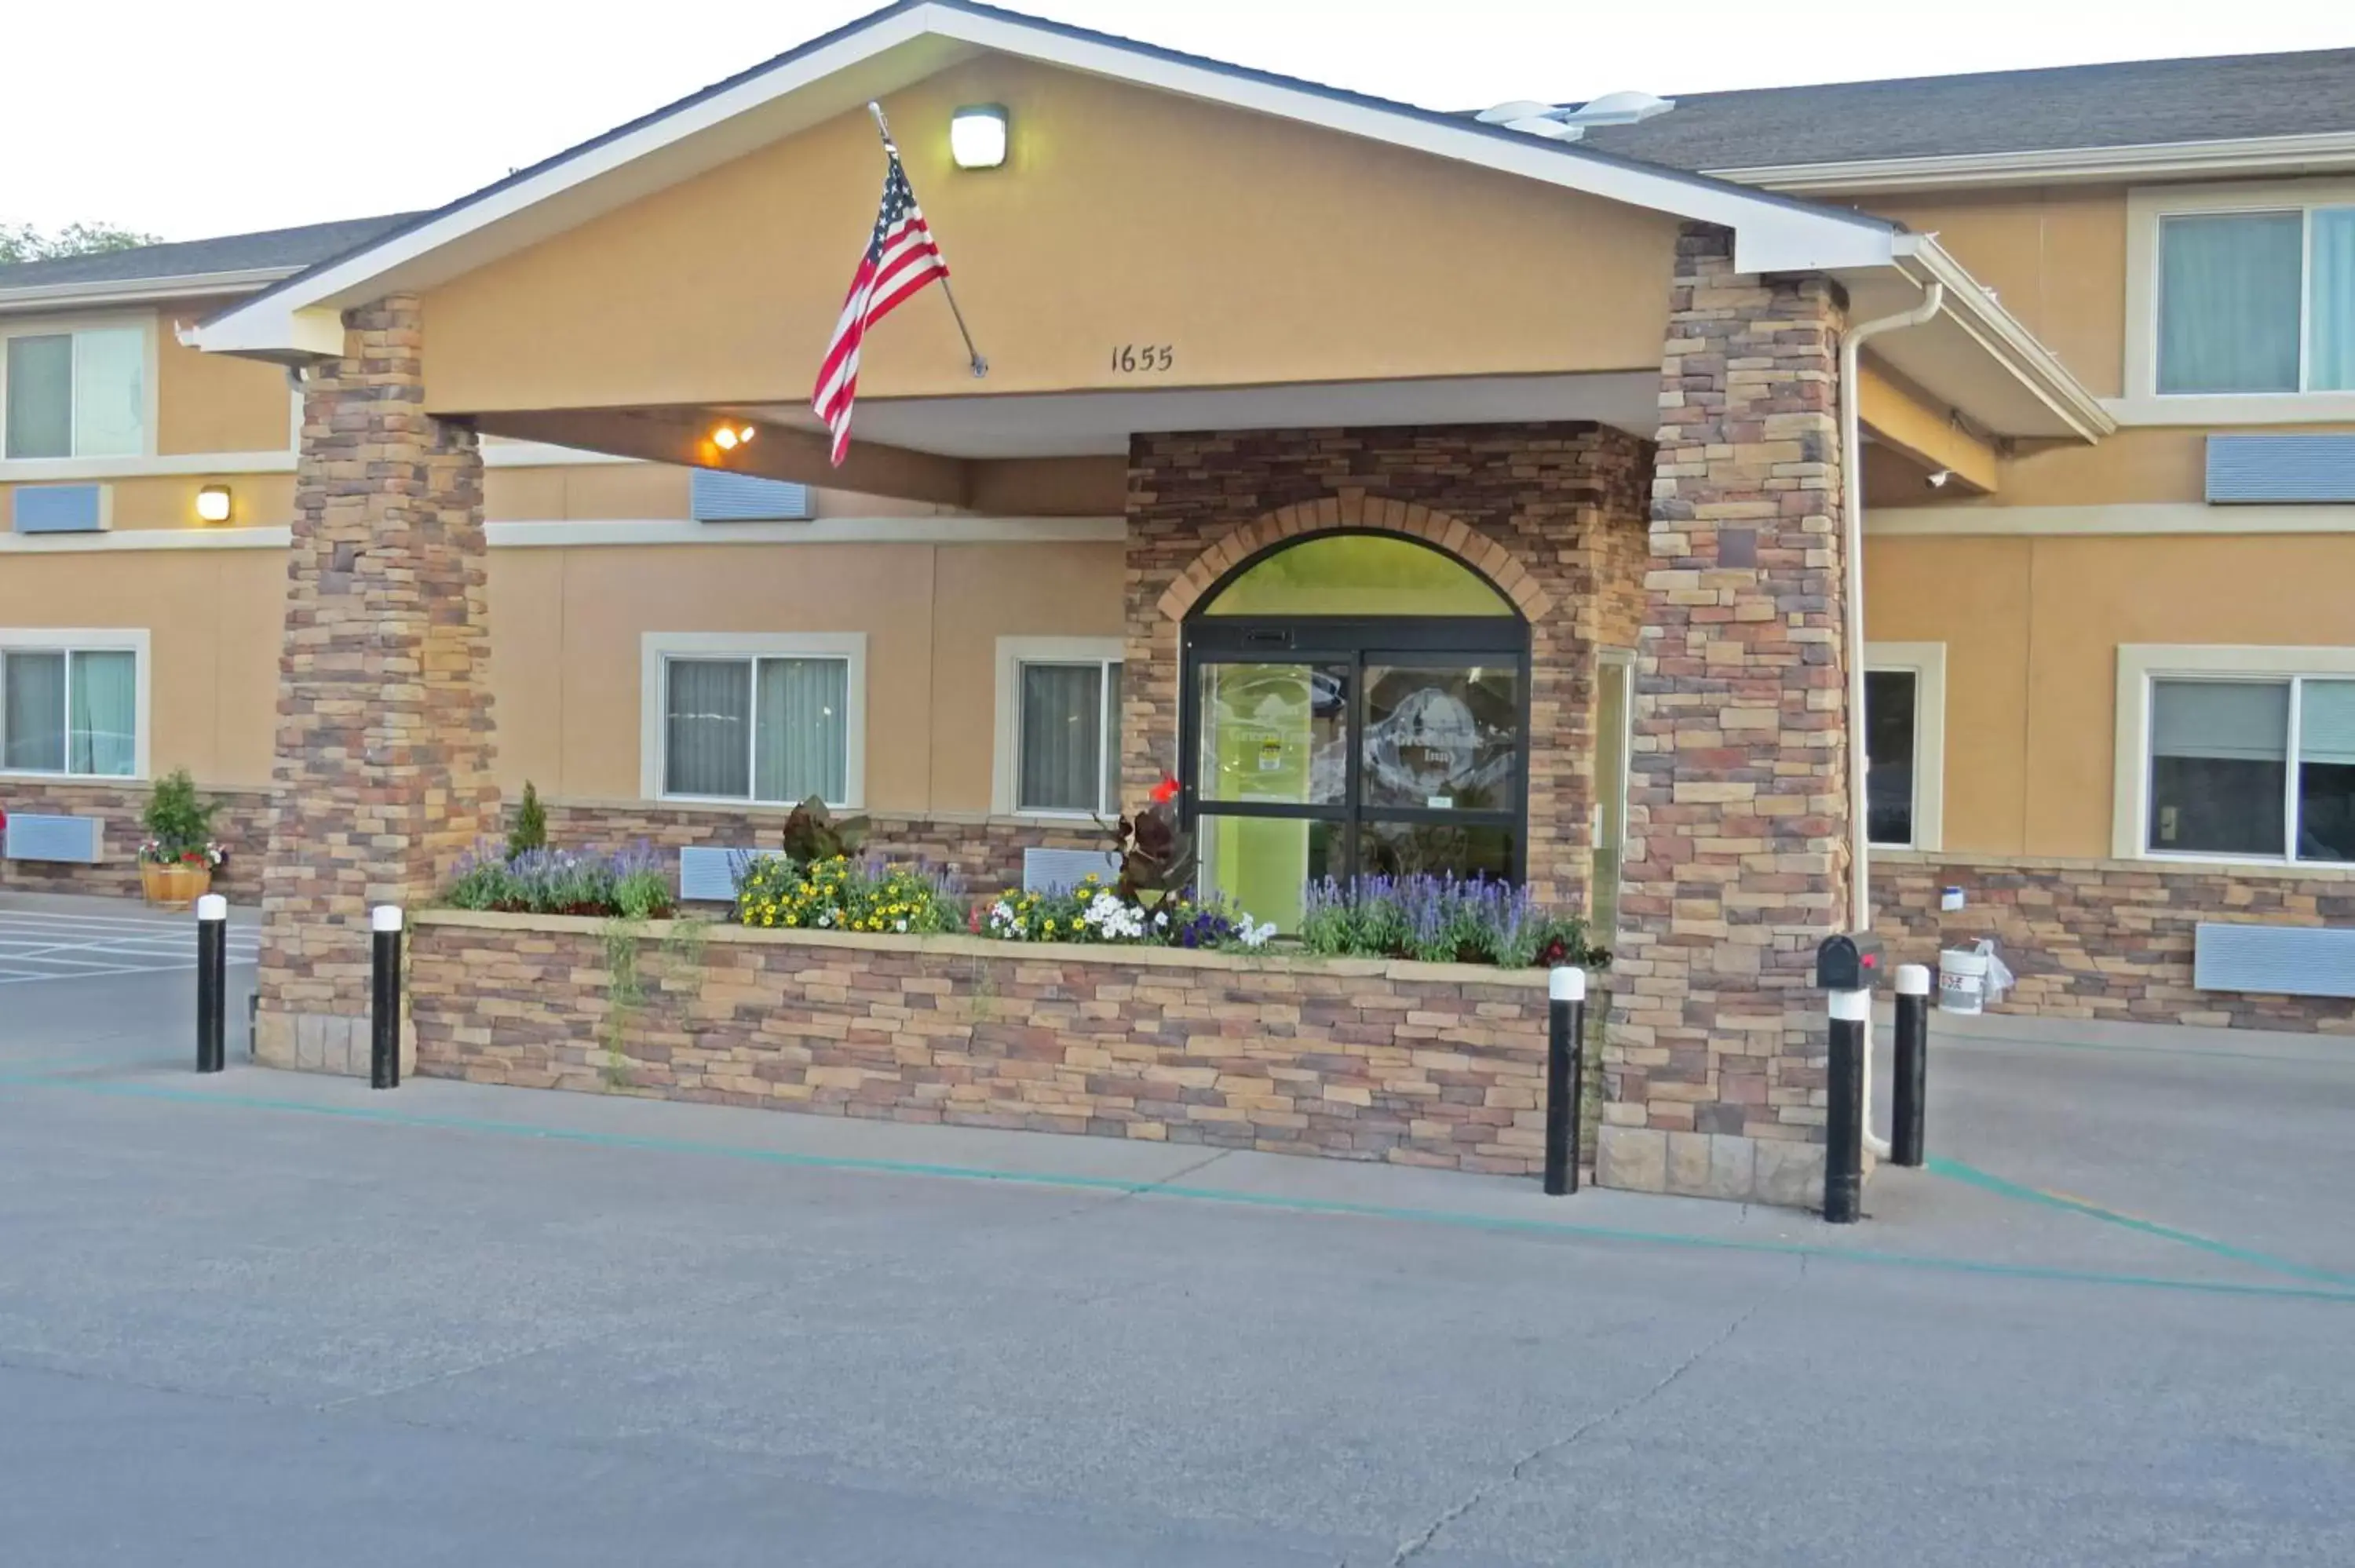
(261, 1318)
(72, 938)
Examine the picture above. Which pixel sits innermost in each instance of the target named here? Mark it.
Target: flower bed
(629, 884)
(1439, 1064)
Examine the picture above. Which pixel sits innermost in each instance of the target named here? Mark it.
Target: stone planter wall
(1435, 1064)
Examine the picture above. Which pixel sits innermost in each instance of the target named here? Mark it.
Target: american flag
(901, 260)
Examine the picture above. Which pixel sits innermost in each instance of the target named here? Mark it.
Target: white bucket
(1962, 980)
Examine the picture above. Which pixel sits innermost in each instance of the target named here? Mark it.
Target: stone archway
(1354, 509)
(1550, 514)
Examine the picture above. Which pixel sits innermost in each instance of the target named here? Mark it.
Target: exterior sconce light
(977, 136)
(212, 504)
(1938, 480)
(728, 438)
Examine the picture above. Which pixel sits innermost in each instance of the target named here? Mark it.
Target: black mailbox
(1848, 961)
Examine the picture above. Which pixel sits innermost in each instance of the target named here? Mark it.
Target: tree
(23, 242)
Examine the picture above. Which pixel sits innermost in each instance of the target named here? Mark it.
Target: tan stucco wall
(212, 403)
(2031, 628)
(213, 618)
(2055, 256)
(1260, 251)
(568, 626)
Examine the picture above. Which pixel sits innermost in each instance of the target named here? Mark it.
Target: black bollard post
(384, 1015)
(1911, 1090)
(1844, 1122)
(1565, 1075)
(212, 984)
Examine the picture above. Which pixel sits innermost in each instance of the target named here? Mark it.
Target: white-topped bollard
(384, 1013)
(1910, 1094)
(212, 984)
(1565, 1073)
(1844, 1116)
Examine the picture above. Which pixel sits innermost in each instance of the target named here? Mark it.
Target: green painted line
(1453, 1218)
(1986, 1180)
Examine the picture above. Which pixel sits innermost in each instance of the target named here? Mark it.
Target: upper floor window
(2257, 300)
(75, 393)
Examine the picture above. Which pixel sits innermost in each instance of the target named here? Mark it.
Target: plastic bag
(2000, 978)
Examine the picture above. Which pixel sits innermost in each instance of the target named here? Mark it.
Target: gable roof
(915, 38)
(235, 262)
(2301, 100)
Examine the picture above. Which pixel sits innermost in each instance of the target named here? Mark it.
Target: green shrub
(530, 829)
(179, 824)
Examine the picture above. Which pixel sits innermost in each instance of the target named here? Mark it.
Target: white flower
(899, 924)
(1252, 936)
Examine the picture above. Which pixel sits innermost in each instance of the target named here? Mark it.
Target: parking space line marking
(1987, 1181)
(1149, 1189)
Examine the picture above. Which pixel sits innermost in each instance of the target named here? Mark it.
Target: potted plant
(179, 856)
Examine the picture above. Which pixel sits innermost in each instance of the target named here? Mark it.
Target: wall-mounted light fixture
(213, 503)
(728, 438)
(977, 135)
(1938, 480)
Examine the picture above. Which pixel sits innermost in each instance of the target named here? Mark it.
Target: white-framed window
(762, 718)
(1058, 751)
(73, 703)
(2236, 754)
(1906, 744)
(2241, 301)
(77, 389)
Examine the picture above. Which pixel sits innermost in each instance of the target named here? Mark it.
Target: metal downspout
(1852, 638)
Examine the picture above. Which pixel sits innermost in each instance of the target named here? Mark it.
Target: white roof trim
(2001, 332)
(140, 290)
(2317, 152)
(1771, 234)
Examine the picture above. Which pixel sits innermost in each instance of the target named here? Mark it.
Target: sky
(249, 114)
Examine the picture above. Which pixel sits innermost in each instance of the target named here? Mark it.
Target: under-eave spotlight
(1938, 480)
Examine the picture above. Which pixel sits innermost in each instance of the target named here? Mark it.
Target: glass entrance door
(1324, 746)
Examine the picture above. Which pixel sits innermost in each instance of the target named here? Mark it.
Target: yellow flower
(793, 919)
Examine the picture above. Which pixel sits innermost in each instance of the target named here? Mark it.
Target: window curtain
(110, 393)
(2229, 307)
(41, 396)
(33, 710)
(708, 717)
(1063, 737)
(102, 728)
(803, 744)
(2330, 311)
(2242, 720)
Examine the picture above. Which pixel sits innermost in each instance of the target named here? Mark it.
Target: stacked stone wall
(384, 747)
(1433, 1065)
(1738, 808)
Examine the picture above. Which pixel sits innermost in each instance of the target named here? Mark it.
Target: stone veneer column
(1738, 812)
(384, 714)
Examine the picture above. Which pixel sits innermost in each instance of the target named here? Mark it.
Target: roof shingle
(230, 253)
(2135, 103)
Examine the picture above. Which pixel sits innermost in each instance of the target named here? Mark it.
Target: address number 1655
(1137, 358)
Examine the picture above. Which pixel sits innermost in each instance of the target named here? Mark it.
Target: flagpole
(980, 365)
